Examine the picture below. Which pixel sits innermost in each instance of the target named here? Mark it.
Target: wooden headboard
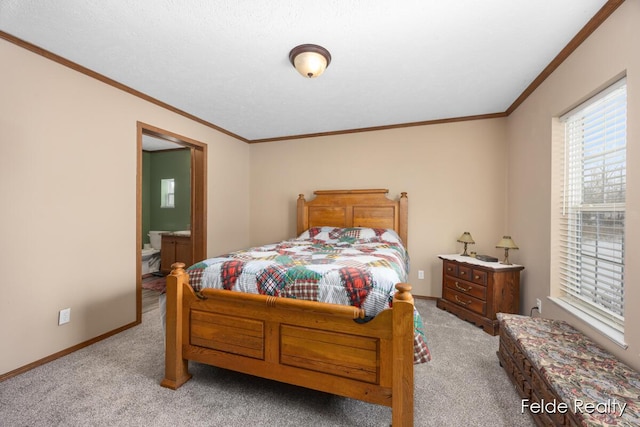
(354, 208)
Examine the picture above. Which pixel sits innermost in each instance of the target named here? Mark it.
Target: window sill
(606, 330)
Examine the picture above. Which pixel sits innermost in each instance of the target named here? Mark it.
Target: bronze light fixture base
(310, 59)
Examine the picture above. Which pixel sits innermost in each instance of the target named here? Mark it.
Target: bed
(364, 347)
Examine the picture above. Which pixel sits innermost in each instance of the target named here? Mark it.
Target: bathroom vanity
(176, 247)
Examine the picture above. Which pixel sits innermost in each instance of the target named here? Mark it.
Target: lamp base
(506, 257)
(465, 250)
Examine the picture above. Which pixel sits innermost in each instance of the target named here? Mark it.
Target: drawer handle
(462, 302)
(477, 277)
(461, 288)
(462, 273)
(449, 269)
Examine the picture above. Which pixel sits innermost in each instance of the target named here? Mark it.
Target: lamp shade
(466, 238)
(507, 243)
(309, 59)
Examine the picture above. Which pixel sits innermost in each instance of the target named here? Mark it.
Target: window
(167, 193)
(591, 219)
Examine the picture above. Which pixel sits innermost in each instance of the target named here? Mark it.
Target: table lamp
(467, 240)
(507, 243)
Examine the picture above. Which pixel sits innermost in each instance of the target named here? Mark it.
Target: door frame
(198, 198)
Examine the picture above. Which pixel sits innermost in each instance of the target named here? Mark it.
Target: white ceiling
(226, 61)
(150, 143)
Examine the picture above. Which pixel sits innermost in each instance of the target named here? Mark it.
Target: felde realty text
(610, 406)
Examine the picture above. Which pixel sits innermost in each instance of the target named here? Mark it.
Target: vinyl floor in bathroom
(149, 300)
(149, 297)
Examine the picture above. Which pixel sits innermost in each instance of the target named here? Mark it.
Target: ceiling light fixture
(310, 59)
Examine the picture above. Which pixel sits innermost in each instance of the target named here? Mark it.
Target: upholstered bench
(563, 377)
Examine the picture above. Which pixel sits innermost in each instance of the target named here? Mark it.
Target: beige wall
(68, 167)
(68, 217)
(611, 50)
(454, 175)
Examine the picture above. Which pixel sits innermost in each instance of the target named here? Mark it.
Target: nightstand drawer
(466, 301)
(451, 268)
(464, 272)
(479, 277)
(454, 269)
(465, 287)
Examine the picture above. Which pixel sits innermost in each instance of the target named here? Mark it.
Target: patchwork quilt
(350, 266)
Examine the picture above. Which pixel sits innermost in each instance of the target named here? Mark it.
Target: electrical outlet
(64, 316)
(420, 274)
(539, 305)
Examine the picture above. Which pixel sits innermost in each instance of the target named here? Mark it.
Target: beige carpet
(116, 383)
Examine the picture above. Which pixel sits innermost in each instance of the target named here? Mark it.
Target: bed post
(301, 223)
(403, 225)
(175, 366)
(403, 330)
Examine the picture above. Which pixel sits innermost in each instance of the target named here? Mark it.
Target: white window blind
(592, 218)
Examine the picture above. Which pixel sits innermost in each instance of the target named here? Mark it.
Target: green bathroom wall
(160, 165)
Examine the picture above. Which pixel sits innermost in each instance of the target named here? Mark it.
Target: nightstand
(476, 290)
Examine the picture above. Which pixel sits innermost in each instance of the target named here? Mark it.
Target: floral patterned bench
(563, 377)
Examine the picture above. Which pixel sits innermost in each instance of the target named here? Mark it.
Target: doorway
(198, 176)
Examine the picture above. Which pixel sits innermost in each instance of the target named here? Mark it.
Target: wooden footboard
(310, 344)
